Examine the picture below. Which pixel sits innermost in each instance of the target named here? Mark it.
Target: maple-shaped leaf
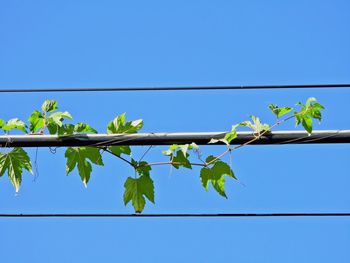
(36, 121)
(120, 125)
(179, 154)
(54, 121)
(310, 110)
(14, 162)
(136, 189)
(82, 157)
(14, 123)
(279, 111)
(216, 175)
(2, 123)
(49, 106)
(257, 126)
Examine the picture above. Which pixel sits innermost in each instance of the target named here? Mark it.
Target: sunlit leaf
(279, 111)
(257, 126)
(308, 111)
(15, 123)
(49, 106)
(119, 125)
(54, 121)
(83, 128)
(36, 121)
(14, 162)
(2, 123)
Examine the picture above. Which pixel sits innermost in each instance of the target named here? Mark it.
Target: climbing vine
(213, 170)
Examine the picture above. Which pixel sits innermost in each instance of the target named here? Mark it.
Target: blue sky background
(48, 44)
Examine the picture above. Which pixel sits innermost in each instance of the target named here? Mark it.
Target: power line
(193, 88)
(183, 215)
(200, 138)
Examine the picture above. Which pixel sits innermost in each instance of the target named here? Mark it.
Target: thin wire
(240, 87)
(185, 215)
(302, 139)
(145, 153)
(293, 140)
(322, 138)
(36, 168)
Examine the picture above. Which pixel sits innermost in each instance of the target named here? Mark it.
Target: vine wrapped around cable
(213, 169)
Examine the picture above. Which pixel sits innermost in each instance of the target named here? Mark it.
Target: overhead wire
(183, 88)
(244, 215)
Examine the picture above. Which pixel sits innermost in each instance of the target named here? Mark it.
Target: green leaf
(58, 117)
(15, 123)
(119, 150)
(210, 159)
(181, 160)
(257, 126)
(36, 121)
(310, 101)
(174, 147)
(315, 111)
(2, 123)
(230, 136)
(310, 110)
(216, 175)
(54, 121)
(83, 128)
(279, 111)
(184, 148)
(212, 141)
(179, 154)
(193, 146)
(82, 157)
(65, 129)
(307, 124)
(142, 168)
(14, 162)
(119, 125)
(167, 152)
(136, 189)
(69, 129)
(49, 106)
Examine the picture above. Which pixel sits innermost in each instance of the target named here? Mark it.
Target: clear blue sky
(47, 44)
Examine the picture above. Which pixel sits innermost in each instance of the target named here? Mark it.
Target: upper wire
(193, 88)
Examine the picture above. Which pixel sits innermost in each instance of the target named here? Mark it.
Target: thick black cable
(200, 138)
(194, 88)
(182, 215)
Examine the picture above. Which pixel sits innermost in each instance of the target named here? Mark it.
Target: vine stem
(110, 152)
(149, 164)
(229, 149)
(176, 163)
(218, 157)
